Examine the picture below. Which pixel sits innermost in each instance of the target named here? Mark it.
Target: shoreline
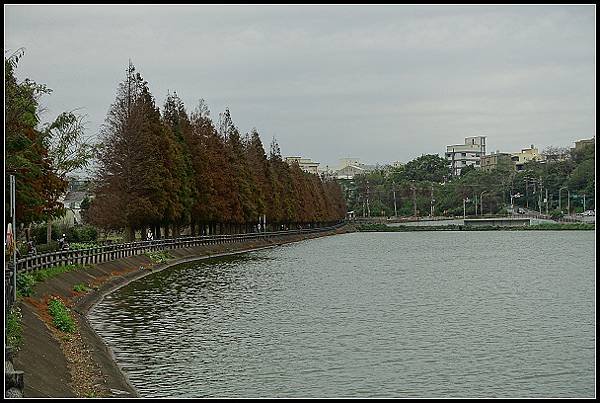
(462, 227)
(83, 365)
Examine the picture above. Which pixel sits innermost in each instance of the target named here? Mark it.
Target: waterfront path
(59, 365)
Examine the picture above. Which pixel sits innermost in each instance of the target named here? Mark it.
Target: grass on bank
(61, 316)
(14, 328)
(81, 288)
(27, 281)
(159, 257)
(456, 227)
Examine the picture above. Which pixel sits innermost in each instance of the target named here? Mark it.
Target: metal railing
(101, 254)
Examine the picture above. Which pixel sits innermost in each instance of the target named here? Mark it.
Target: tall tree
(136, 157)
(179, 129)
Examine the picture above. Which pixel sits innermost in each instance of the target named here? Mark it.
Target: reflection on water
(493, 314)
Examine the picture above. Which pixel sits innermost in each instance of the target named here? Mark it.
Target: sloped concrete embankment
(56, 364)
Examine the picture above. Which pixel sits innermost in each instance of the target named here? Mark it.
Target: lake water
(421, 314)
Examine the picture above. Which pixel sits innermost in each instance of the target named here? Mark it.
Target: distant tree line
(169, 170)
(425, 182)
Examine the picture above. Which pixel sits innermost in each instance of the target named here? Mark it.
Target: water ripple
(478, 314)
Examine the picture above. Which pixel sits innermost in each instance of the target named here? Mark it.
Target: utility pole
(546, 201)
(584, 202)
(13, 211)
(394, 190)
(432, 200)
(368, 209)
(481, 212)
(540, 198)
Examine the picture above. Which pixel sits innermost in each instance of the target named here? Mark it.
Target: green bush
(61, 317)
(39, 233)
(159, 257)
(25, 283)
(47, 248)
(14, 328)
(83, 245)
(82, 233)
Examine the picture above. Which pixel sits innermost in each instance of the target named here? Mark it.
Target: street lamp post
(512, 197)
(568, 199)
(414, 191)
(465, 208)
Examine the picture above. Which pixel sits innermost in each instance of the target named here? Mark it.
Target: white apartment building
(306, 164)
(467, 154)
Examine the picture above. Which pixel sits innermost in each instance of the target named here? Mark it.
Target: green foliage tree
(68, 148)
(27, 156)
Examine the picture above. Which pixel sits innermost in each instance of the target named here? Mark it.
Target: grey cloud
(382, 83)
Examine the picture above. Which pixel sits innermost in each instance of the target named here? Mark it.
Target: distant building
(582, 143)
(526, 155)
(306, 164)
(468, 154)
(72, 203)
(77, 191)
(350, 167)
(495, 161)
(555, 154)
(348, 161)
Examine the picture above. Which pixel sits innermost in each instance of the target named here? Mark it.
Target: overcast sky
(379, 83)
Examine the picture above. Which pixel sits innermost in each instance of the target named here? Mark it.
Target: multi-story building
(526, 155)
(496, 160)
(306, 164)
(468, 154)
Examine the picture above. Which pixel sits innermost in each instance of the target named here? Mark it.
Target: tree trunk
(129, 233)
(49, 232)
